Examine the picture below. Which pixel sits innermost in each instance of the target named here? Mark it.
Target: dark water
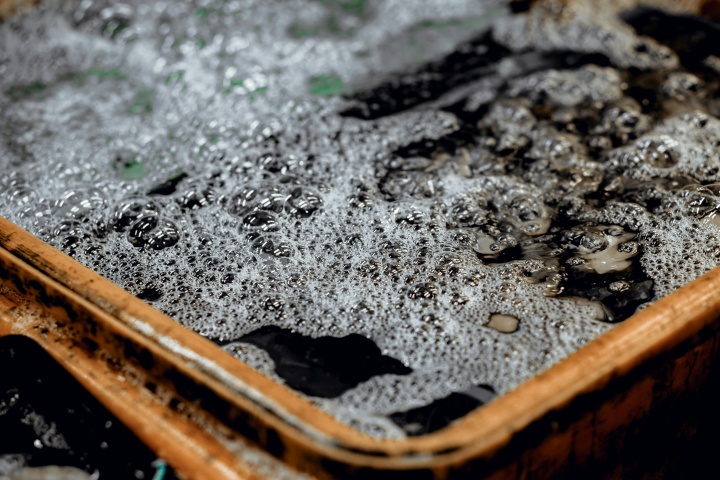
(327, 367)
(442, 412)
(324, 366)
(47, 418)
(693, 38)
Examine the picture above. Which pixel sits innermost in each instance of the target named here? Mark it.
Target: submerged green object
(327, 85)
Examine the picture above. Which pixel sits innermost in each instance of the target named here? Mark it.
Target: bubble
(588, 240)
(469, 211)
(197, 196)
(601, 252)
(475, 279)
(130, 210)
(261, 197)
(399, 184)
(272, 247)
(681, 86)
(512, 124)
(273, 304)
(410, 216)
(529, 215)
(303, 203)
(68, 235)
(153, 232)
(80, 204)
(588, 84)
(19, 193)
(423, 291)
(260, 221)
(659, 154)
(360, 201)
(619, 286)
(698, 201)
(621, 123)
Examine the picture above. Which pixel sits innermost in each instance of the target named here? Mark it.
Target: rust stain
(6, 304)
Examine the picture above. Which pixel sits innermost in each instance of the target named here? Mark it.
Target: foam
(584, 26)
(286, 213)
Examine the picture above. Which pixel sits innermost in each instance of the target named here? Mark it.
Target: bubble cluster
(239, 167)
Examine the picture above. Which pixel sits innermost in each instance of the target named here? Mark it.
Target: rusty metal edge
(176, 437)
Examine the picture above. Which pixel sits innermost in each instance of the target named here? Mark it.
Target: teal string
(161, 467)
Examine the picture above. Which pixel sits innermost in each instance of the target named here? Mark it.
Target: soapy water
(477, 194)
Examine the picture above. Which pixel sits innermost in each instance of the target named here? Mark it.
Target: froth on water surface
(420, 204)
